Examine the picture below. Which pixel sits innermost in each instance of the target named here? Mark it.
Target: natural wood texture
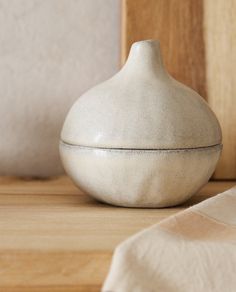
(220, 47)
(198, 40)
(173, 23)
(55, 238)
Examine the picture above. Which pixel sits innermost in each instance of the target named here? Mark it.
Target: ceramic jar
(141, 139)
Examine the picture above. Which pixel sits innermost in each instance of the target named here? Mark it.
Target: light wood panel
(173, 23)
(220, 47)
(55, 238)
(198, 41)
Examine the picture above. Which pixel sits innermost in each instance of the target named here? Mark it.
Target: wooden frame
(198, 39)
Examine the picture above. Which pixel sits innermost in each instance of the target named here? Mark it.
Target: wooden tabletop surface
(55, 238)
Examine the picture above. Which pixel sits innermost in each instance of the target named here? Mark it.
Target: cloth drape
(194, 250)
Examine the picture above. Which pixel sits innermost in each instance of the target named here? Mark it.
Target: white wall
(51, 51)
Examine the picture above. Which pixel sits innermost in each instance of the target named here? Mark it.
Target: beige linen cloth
(194, 250)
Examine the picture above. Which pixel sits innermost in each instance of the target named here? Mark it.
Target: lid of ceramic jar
(142, 107)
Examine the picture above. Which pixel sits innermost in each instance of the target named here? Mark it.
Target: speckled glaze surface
(140, 178)
(141, 139)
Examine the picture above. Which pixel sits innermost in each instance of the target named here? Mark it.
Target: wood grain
(55, 238)
(220, 37)
(173, 23)
(198, 41)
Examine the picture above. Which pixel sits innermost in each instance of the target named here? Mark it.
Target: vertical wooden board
(220, 39)
(178, 26)
(197, 40)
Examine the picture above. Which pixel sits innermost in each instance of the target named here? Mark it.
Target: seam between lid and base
(69, 145)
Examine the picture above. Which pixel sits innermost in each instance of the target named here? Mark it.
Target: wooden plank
(55, 238)
(173, 23)
(220, 36)
(198, 40)
(61, 288)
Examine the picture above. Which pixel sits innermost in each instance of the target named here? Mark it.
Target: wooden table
(55, 238)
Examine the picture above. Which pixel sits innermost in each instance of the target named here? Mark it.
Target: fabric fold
(194, 250)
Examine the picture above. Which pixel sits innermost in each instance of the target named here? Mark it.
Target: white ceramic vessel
(141, 139)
